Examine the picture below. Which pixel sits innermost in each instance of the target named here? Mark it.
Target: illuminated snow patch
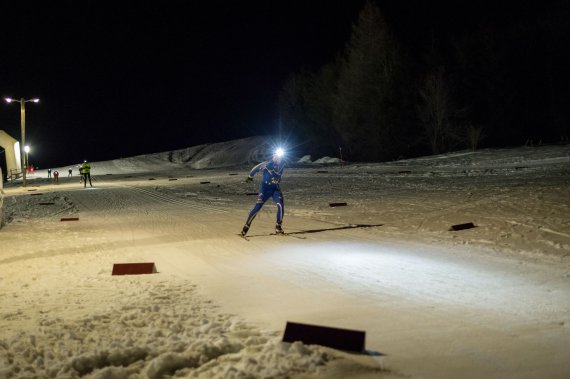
(425, 274)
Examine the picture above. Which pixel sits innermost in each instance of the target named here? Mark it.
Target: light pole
(27, 150)
(23, 102)
(4, 173)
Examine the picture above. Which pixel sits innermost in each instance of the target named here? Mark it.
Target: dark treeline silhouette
(501, 81)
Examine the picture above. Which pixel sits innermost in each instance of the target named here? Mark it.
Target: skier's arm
(254, 170)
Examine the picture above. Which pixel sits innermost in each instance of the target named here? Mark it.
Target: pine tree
(293, 107)
(321, 99)
(435, 112)
(306, 106)
(365, 107)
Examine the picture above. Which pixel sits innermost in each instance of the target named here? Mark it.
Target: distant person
(56, 177)
(86, 173)
(70, 172)
(272, 171)
(49, 173)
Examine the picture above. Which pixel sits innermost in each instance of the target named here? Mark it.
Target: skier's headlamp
(279, 152)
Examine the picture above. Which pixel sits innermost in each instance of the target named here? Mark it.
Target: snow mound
(206, 156)
(156, 331)
(327, 160)
(245, 151)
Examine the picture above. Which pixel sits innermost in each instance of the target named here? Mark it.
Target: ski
(271, 234)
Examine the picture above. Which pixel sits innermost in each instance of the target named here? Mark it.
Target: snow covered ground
(488, 302)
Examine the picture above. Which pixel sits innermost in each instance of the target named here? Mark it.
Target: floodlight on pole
(27, 150)
(23, 155)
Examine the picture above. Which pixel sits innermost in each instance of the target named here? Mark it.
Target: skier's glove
(249, 179)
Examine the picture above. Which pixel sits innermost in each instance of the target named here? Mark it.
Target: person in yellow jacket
(86, 173)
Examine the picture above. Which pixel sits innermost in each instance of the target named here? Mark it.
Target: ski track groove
(161, 197)
(140, 197)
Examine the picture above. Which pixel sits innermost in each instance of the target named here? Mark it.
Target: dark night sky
(123, 78)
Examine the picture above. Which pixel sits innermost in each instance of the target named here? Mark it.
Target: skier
(86, 173)
(272, 172)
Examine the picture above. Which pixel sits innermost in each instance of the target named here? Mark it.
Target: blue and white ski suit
(272, 173)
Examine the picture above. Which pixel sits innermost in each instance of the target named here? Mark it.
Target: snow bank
(156, 330)
(306, 159)
(24, 209)
(206, 156)
(225, 154)
(327, 160)
(245, 151)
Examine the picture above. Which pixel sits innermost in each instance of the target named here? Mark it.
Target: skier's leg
(278, 199)
(261, 199)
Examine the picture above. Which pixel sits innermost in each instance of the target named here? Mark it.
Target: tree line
(498, 84)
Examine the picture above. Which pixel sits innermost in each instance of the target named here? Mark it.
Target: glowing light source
(279, 152)
(8, 100)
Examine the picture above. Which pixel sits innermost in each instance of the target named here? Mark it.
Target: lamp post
(23, 157)
(27, 150)
(3, 173)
